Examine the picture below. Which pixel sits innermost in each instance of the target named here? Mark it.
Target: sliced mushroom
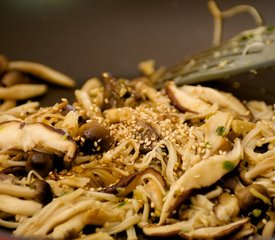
(148, 135)
(198, 177)
(127, 184)
(27, 136)
(94, 138)
(165, 230)
(115, 91)
(214, 232)
(42, 71)
(216, 128)
(185, 101)
(211, 95)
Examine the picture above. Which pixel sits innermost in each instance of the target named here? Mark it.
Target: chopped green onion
(270, 29)
(220, 130)
(229, 166)
(257, 212)
(246, 37)
(121, 204)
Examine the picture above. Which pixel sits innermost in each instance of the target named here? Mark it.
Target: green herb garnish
(220, 130)
(270, 29)
(121, 204)
(229, 166)
(246, 37)
(257, 212)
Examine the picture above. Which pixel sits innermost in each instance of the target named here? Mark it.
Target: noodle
(125, 157)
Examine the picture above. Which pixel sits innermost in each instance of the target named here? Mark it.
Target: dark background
(84, 38)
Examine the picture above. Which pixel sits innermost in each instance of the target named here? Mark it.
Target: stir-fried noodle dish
(189, 161)
(126, 159)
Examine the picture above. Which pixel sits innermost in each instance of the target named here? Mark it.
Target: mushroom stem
(22, 91)
(42, 71)
(17, 206)
(8, 224)
(16, 191)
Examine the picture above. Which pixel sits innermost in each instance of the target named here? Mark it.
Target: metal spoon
(248, 51)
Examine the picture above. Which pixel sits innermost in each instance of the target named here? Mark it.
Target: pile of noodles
(172, 165)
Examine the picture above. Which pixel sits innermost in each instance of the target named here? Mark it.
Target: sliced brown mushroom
(115, 91)
(211, 95)
(27, 136)
(167, 230)
(198, 177)
(214, 232)
(127, 184)
(185, 101)
(148, 134)
(94, 138)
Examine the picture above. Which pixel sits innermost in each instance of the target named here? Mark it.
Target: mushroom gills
(28, 136)
(184, 101)
(214, 232)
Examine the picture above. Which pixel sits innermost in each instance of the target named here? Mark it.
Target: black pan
(87, 37)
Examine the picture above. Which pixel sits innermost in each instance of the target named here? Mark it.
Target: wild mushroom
(11, 78)
(39, 191)
(148, 135)
(214, 232)
(252, 197)
(16, 171)
(127, 184)
(41, 162)
(211, 95)
(94, 138)
(16, 206)
(116, 91)
(197, 177)
(227, 207)
(216, 128)
(27, 136)
(167, 230)
(185, 101)
(22, 91)
(262, 167)
(42, 71)
(260, 110)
